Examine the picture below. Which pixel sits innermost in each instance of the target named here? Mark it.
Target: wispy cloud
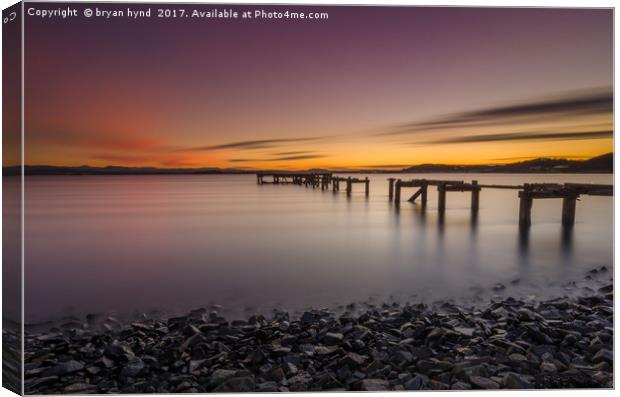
(254, 144)
(280, 158)
(524, 136)
(386, 166)
(591, 102)
(292, 153)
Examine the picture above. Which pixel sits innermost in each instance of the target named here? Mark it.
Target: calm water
(137, 243)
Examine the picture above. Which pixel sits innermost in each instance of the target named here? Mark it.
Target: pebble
(505, 343)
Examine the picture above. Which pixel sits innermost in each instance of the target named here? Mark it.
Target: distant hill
(115, 170)
(600, 164)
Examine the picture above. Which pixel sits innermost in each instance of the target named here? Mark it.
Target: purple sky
(165, 92)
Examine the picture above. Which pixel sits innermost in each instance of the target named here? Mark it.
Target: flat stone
(332, 338)
(374, 385)
(133, 368)
(353, 359)
(515, 381)
(483, 383)
(603, 355)
(460, 386)
(548, 367)
(221, 375)
(267, 387)
(236, 385)
(67, 367)
(80, 388)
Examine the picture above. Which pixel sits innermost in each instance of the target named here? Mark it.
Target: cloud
(281, 158)
(291, 153)
(254, 144)
(524, 136)
(385, 166)
(590, 102)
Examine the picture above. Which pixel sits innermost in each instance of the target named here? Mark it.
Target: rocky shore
(505, 344)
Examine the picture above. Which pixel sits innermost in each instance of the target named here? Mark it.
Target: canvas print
(212, 198)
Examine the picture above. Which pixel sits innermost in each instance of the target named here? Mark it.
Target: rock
(515, 381)
(290, 368)
(465, 331)
(548, 367)
(133, 368)
(460, 386)
(353, 360)
(307, 317)
(436, 385)
(190, 330)
(194, 365)
(300, 382)
(603, 355)
(219, 376)
(483, 383)
(236, 385)
(67, 367)
(267, 387)
(118, 351)
(332, 339)
(80, 388)
(325, 350)
(515, 344)
(278, 374)
(517, 358)
(416, 383)
(374, 385)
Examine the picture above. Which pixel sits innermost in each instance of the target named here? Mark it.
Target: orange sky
(370, 87)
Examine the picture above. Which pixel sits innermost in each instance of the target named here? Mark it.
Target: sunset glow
(367, 88)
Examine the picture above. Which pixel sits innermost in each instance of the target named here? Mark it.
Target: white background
(490, 3)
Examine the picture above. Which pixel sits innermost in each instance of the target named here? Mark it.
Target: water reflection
(567, 242)
(175, 242)
(524, 245)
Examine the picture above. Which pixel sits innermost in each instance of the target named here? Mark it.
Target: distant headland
(598, 164)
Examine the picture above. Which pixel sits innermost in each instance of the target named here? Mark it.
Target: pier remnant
(568, 192)
(349, 184)
(391, 188)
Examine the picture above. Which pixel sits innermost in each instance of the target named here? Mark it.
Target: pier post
(391, 189)
(424, 196)
(349, 186)
(525, 207)
(441, 204)
(475, 197)
(397, 192)
(367, 183)
(334, 184)
(569, 204)
(259, 180)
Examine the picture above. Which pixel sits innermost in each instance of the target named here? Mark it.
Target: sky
(370, 87)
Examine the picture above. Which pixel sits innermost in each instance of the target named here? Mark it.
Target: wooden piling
(397, 191)
(367, 186)
(525, 207)
(475, 197)
(569, 205)
(391, 188)
(349, 186)
(441, 204)
(424, 196)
